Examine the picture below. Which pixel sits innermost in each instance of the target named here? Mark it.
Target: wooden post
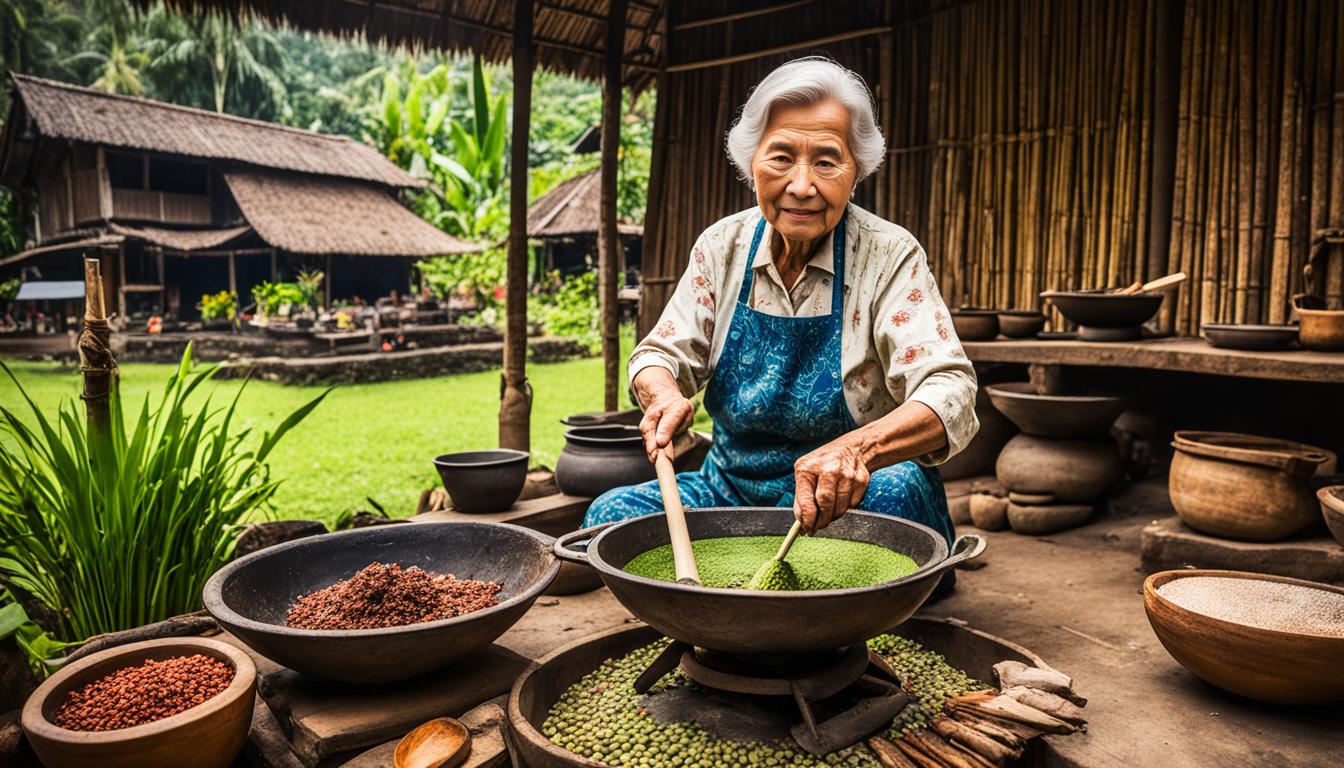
(275, 270)
(233, 274)
(326, 284)
(515, 403)
(608, 238)
(1166, 97)
(121, 282)
(95, 352)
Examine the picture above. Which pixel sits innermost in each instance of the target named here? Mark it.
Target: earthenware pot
(1069, 470)
(481, 482)
(1021, 323)
(208, 735)
(1078, 416)
(1332, 507)
(1103, 316)
(1321, 329)
(978, 457)
(1263, 664)
(1248, 336)
(1242, 486)
(975, 324)
(597, 459)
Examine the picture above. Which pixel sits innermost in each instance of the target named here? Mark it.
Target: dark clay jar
(597, 459)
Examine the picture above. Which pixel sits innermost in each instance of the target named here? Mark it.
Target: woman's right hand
(667, 413)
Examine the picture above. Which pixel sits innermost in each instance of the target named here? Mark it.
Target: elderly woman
(816, 329)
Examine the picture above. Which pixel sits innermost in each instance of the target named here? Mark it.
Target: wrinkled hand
(667, 416)
(828, 483)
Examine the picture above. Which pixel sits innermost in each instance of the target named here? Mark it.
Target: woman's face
(803, 169)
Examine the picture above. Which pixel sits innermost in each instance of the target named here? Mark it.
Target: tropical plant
(241, 64)
(477, 276)
(309, 283)
(274, 299)
(114, 529)
(570, 310)
(218, 305)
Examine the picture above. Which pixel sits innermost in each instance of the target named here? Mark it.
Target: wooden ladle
(683, 556)
(443, 742)
(1153, 285)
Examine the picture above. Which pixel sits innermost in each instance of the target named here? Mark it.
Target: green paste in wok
(731, 561)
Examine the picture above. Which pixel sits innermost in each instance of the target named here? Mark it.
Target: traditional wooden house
(181, 202)
(565, 221)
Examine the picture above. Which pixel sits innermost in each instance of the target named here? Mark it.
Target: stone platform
(1169, 544)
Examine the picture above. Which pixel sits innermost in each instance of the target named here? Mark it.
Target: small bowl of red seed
(184, 702)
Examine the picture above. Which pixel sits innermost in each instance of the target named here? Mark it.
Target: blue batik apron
(776, 395)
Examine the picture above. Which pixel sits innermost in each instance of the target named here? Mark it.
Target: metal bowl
(750, 621)
(481, 482)
(1247, 336)
(251, 596)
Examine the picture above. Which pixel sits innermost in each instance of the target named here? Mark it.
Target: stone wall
(387, 366)
(215, 346)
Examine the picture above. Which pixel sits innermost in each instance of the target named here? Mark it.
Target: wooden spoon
(440, 743)
(1153, 285)
(683, 556)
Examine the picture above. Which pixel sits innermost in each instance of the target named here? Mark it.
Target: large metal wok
(757, 622)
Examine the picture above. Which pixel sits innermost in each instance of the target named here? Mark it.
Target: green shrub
(9, 289)
(216, 305)
(478, 276)
(112, 531)
(570, 310)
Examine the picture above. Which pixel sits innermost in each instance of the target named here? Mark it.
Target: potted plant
(218, 310)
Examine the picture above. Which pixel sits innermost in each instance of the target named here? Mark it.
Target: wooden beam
(326, 284)
(233, 275)
(727, 17)
(722, 60)
(608, 239)
(515, 404)
(121, 281)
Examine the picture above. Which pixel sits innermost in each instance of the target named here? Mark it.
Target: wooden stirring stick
(683, 556)
(1154, 285)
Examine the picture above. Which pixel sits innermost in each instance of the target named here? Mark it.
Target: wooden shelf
(1173, 354)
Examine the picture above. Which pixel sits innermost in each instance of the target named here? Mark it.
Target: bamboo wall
(1040, 144)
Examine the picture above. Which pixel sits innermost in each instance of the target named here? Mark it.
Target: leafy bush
(112, 531)
(478, 276)
(216, 305)
(274, 299)
(571, 310)
(309, 282)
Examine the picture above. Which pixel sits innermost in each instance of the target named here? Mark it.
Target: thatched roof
(182, 239)
(70, 112)
(323, 215)
(568, 33)
(572, 208)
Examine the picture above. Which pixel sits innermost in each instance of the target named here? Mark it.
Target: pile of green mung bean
(600, 716)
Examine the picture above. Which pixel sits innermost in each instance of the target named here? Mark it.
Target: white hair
(808, 81)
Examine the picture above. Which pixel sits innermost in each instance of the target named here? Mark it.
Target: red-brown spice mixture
(388, 596)
(144, 693)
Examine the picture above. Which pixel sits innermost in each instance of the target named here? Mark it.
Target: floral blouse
(897, 344)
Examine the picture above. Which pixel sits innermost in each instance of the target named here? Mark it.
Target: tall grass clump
(112, 531)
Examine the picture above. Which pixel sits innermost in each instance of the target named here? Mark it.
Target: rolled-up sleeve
(920, 353)
(681, 340)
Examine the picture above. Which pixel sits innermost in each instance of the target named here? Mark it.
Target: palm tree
(241, 64)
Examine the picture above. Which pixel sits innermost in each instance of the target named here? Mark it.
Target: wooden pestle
(683, 556)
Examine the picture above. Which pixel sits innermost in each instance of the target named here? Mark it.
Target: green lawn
(367, 440)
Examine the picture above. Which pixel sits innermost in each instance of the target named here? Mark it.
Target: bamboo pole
(610, 259)
(515, 405)
(1288, 163)
(95, 353)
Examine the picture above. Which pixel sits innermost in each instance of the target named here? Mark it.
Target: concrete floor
(1075, 599)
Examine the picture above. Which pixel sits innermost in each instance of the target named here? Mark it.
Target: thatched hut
(181, 202)
(566, 220)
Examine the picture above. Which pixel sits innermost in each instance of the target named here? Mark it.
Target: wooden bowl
(208, 735)
(1332, 507)
(1249, 336)
(1242, 486)
(1263, 664)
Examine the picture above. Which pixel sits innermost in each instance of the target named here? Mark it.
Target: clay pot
(1332, 507)
(978, 457)
(208, 735)
(1082, 415)
(959, 509)
(989, 513)
(975, 324)
(597, 459)
(1321, 329)
(481, 482)
(1249, 336)
(1021, 323)
(1242, 486)
(1269, 665)
(1070, 470)
(1047, 518)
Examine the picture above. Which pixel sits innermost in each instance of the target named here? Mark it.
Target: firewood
(1048, 703)
(941, 751)
(888, 755)
(981, 744)
(916, 755)
(1021, 730)
(1011, 709)
(1015, 673)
